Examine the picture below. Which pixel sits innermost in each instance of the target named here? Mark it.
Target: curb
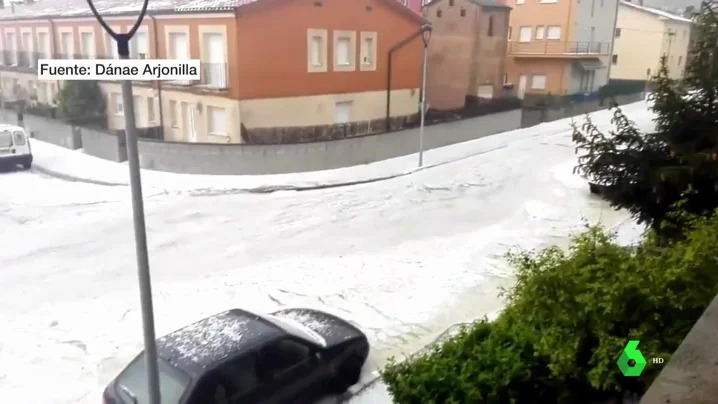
(67, 177)
(267, 189)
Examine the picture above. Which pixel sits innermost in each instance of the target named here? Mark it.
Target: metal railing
(555, 48)
(214, 75)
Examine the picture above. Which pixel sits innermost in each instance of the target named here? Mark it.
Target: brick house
(268, 66)
(467, 50)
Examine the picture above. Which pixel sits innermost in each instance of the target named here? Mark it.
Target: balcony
(554, 49)
(214, 76)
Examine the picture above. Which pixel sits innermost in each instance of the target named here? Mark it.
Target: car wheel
(348, 375)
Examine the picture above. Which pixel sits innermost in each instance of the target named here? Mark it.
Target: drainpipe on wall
(159, 83)
(388, 74)
(613, 42)
(52, 53)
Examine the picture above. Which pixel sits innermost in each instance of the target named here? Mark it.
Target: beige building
(643, 35)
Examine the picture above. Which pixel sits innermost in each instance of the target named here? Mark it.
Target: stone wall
(104, 145)
(534, 115)
(275, 159)
(691, 376)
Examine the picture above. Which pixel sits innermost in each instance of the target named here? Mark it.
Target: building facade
(262, 67)
(644, 35)
(560, 47)
(413, 5)
(468, 50)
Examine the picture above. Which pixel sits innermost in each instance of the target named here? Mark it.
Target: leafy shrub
(81, 101)
(567, 320)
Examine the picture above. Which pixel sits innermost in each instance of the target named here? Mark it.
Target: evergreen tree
(81, 101)
(647, 173)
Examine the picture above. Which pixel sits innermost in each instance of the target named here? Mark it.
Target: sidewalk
(77, 166)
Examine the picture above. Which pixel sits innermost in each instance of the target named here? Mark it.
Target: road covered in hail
(403, 259)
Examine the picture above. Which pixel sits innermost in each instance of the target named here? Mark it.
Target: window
(138, 46)
(282, 356)
(438, 13)
(618, 33)
(87, 41)
(316, 52)
(214, 60)
(525, 34)
(26, 42)
(173, 114)
(463, 12)
(179, 48)
(342, 112)
(540, 32)
(506, 78)
(111, 47)
(68, 47)
(368, 51)
(117, 102)
(538, 82)
(614, 59)
(451, 3)
(491, 25)
(173, 382)
(42, 45)
(19, 138)
(509, 36)
(343, 52)
(554, 32)
(12, 47)
(151, 109)
(520, 1)
(680, 60)
(217, 121)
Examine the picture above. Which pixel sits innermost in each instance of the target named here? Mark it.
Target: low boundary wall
(203, 158)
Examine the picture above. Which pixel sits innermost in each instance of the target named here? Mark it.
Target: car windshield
(5, 139)
(132, 383)
(297, 329)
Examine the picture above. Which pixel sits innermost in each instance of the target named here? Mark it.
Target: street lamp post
(425, 37)
(138, 211)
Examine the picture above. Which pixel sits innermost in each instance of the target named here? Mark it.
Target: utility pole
(425, 37)
(138, 210)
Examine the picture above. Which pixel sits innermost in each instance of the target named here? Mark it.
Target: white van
(14, 147)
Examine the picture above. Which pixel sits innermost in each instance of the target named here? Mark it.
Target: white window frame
(548, 1)
(174, 116)
(11, 39)
(540, 33)
(525, 28)
(549, 29)
(171, 30)
(542, 81)
(349, 36)
(321, 36)
(520, 2)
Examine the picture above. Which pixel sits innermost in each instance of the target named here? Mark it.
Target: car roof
(5, 126)
(199, 346)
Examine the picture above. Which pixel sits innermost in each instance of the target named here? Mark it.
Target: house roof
(655, 12)
(131, 8)
(480, 3)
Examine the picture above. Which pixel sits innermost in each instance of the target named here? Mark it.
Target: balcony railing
(553, 48)
(214, 75)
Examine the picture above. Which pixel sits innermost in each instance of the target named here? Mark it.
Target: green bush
(81, 101)
(567, 320)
